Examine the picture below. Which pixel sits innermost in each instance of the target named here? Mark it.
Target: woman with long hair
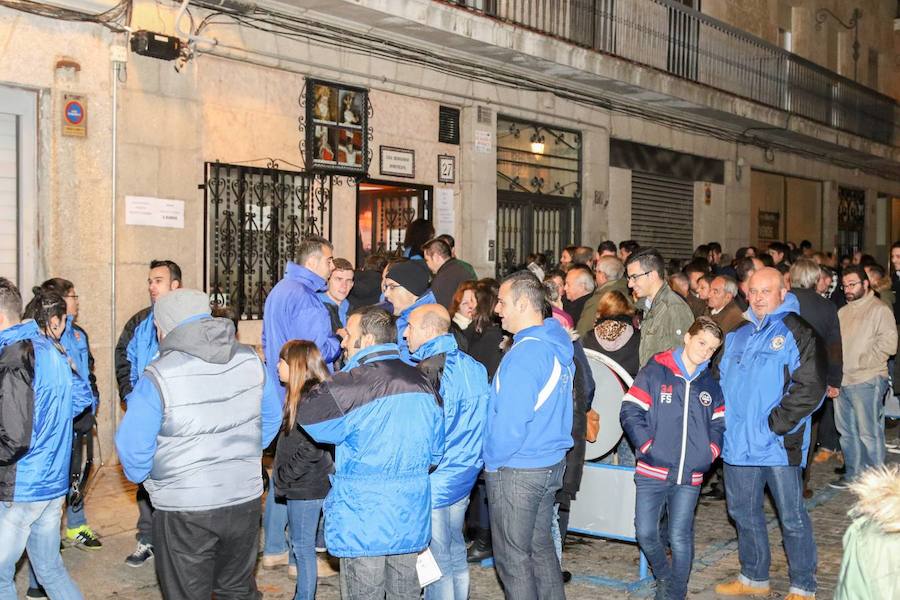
(301, 466)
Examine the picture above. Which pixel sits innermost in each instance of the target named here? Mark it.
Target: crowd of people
(420, 419)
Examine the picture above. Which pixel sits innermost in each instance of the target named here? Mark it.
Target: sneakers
(739, 588)
(36, 592)
(141, 554)
(83, 537)
(273, 561)
(824, 455)
(839, 484)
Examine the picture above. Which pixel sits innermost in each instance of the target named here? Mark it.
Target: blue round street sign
(74, 112)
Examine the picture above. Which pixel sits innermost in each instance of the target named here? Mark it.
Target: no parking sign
(74, 116)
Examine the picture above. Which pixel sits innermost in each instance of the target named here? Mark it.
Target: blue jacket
(136, 348)
(675, 421)
(773, 376)
(383, 417)
(403, 322)
(75, 340)
(529, 421)
(464, 388)
(40, 394)
(342, 309)
(293, 311)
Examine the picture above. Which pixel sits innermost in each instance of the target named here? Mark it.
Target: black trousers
(199, 553)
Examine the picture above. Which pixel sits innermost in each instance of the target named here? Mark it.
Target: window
(255, 219)
(448, 125)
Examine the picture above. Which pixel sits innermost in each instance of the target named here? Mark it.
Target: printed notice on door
(154, 212)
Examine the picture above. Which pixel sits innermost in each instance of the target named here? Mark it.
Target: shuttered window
(662, 213)
(9, 206)
(448, 125)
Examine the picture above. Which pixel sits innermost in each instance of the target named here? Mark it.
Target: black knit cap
(411, 274)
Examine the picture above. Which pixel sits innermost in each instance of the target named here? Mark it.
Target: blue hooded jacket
(75, 341)
(40, 397)
(529, 421)
(387, 427)
(465, 390)
(293, 311)
(403, 322)
(772, 373)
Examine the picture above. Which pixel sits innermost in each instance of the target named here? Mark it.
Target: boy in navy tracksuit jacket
(674, 415)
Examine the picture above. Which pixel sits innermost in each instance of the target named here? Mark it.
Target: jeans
(449, 549)
(34, 526)
(744, 494)
(74, 518)
(199, 553)
(377, 577)
(521, 504)
(275, 522)
(653, 499)
(859, 415)
(303, 518)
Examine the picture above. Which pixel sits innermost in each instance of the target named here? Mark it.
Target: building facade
(516, 126)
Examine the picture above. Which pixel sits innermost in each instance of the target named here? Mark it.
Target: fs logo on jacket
(675, 421)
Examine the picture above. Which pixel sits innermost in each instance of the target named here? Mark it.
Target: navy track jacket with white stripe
(675, 421)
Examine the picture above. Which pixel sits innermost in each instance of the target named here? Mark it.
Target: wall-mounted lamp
(707, 194)
(537, 143)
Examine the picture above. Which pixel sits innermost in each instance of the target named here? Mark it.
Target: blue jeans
(303, 518)
(744, 494)
(275, 522)
(521, 504)
(449, 549)
(74, 518)
(859, 416)
(653, 499)
(34, 526)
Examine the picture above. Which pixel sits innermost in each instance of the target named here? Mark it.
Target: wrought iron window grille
(255, 217)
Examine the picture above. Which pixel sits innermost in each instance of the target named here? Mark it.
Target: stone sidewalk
(112, 512)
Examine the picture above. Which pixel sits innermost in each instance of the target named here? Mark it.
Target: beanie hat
(178, 306)
(411, 274)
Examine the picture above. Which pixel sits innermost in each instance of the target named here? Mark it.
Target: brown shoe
(739, 588)
(324, 567)
(273, 561)
(824, 455)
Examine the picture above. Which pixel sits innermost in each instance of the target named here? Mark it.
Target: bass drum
(612, 382)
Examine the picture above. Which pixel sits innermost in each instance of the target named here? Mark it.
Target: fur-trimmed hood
(878, 493)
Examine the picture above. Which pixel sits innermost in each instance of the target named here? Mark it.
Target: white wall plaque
(154, 212)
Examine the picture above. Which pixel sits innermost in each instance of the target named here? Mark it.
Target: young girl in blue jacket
(674, 415)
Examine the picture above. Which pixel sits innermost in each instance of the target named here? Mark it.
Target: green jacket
(665, 323)
(589, 313)
(870, 569)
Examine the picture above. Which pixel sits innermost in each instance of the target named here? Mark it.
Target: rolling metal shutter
(9, 204)
(662, 213)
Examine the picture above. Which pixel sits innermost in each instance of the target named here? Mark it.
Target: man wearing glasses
(869, 336)
(667, 317)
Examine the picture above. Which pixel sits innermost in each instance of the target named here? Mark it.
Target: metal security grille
(662, 213)
(448, 125)
(255, 219)
(528, 223)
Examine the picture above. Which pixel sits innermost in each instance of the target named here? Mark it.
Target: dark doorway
(383, 211)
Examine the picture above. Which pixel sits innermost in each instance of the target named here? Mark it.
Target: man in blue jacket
(773, 374)
(137, 346)
(463, 385)
(528, 432)
(294, 311)
(386, 423)
(40, 394)
(406, 288)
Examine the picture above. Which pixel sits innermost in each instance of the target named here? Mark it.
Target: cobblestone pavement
(112, 512)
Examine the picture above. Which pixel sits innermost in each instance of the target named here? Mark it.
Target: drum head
(612, 382)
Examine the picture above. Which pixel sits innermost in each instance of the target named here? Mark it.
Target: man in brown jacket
(869, 336)
(722, 307)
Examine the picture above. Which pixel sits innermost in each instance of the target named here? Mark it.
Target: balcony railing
(673, 38)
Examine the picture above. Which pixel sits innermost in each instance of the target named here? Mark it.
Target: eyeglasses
(637, 276)
(389, 286)
(851, 284)
(72, 296)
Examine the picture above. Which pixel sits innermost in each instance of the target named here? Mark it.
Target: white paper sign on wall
(484, 141)
(444, 212)
(154, 212)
